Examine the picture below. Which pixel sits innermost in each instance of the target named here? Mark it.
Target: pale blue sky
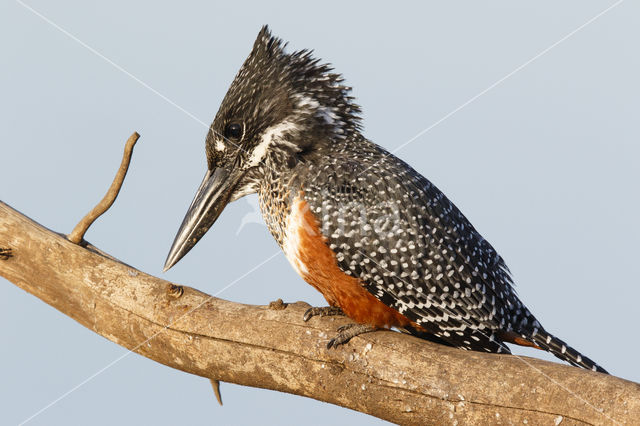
(545, 165)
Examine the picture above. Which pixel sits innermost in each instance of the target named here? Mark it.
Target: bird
(382, 243)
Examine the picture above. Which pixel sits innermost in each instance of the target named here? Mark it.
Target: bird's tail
(560, 349)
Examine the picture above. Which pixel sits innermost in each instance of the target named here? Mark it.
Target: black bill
(212, 197)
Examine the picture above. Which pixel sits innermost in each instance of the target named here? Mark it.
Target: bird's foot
(347, 332)
(5, 253)
(323, 311)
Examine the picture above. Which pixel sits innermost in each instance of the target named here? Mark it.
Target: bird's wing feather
(413, 249)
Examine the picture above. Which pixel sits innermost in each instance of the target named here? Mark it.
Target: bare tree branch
(388, 375)
(81, 228)
(392, 376)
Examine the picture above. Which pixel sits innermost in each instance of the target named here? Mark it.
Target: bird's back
(405, 243)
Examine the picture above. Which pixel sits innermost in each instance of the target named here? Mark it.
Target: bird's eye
(233, 131)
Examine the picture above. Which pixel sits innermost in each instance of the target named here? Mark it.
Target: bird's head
(282, 109)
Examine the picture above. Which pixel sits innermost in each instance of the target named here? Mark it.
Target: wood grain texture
(388, 375)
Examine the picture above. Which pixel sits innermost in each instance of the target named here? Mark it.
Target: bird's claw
(323, 311)
(347, 332)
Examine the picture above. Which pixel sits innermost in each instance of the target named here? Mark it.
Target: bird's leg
(322, 311)
(346, 332)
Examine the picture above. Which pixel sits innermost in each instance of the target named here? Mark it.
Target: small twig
(216, 389)
(81, 228)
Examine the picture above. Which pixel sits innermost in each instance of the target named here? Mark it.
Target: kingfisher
(383, 244)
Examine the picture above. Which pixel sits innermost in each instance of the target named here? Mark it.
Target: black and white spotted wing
(413, 249)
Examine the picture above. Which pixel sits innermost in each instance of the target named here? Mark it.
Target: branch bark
(388, 375)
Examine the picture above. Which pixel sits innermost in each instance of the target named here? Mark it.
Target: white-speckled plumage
(387, 225)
